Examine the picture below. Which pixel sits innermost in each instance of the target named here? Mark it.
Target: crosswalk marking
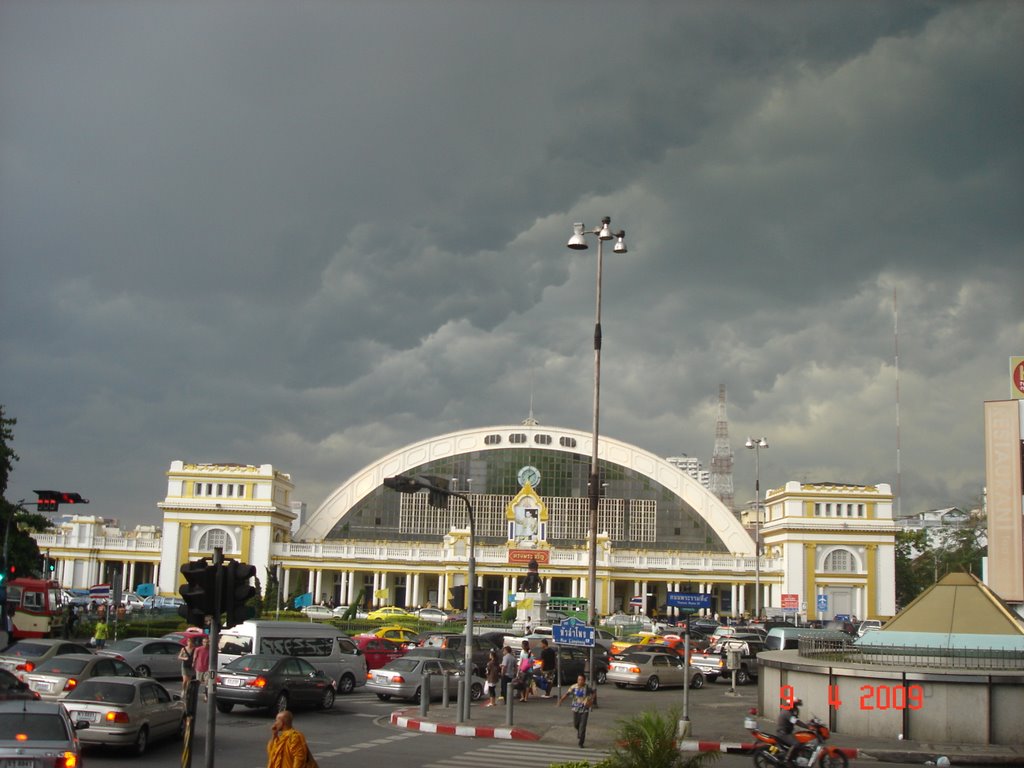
(320, 754)
(522, 754)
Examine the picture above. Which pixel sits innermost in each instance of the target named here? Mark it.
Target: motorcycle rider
(789, 718)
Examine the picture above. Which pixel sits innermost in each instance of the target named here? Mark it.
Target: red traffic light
(50, 501)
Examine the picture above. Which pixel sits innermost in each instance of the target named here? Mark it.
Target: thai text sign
(689, 601)
(572, 631)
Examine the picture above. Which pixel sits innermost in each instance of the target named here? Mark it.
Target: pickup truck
(716, 663)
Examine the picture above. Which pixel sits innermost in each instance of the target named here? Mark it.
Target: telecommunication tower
(721, 459)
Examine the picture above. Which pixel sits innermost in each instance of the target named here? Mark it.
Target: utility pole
(211, 689)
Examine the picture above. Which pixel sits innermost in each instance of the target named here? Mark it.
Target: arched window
(840, 561)
(216, 537)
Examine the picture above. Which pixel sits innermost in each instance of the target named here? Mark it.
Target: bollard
(508, 705)
(445, 695)
(425, 694)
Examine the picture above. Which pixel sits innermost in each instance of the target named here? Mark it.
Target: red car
(378, 651)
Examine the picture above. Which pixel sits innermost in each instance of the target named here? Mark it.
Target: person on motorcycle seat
(789, 718)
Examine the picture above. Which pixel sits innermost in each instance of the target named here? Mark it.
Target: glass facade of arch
(564, 475)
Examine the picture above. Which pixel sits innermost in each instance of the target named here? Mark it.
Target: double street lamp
(578, 242)
(756, 445)
(438, 495)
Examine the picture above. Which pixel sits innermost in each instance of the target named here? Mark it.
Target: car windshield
(252, 664)
(32, 726)
(403, 664)
(93, 690)
(61, 665)
(123, 645)
(25, 650)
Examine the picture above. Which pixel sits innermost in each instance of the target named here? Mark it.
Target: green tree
(911, 578)
(18, 523)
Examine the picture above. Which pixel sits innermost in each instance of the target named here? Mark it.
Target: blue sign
(689, 601)
(572, 631)
(822, 603)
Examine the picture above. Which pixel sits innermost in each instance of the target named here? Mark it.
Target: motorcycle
(812, 751)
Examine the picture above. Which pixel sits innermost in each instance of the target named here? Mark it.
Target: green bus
(577, 607)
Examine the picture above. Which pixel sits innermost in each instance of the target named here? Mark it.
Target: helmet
(797, 703)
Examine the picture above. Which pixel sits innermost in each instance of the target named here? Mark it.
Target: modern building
(659, 531)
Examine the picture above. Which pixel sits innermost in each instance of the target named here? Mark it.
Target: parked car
(647, 648)
(25, 655)
(276, 683)
(868, 625)
(318, 612)
(122, 711)
(32, 732)
(403, 679)
(715, 664)
(157, 604)
(180, 637)
(433, 615)
(13, 689)
(640, 638)
(132, 602)
(435, 653)
(149, 657)
(378, 651)
(390, 613)
(653, 671)
(55, 678)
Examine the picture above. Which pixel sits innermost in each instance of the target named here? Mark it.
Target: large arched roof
(704, 503)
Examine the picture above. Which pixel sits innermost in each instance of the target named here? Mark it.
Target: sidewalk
(716, 724)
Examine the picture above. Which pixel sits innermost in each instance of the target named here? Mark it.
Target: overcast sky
(310, 233)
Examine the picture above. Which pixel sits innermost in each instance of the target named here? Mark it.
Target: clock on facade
(529, 475)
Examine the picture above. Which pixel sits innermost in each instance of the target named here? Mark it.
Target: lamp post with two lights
(756, 445)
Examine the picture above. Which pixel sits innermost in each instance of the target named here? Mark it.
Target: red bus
(36, 608)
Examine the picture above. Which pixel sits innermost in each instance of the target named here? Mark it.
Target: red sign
(790, 602)
(1017, 374)
(542, 556)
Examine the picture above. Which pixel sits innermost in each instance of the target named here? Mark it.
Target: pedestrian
(100, 633)
(201, 664)
(493, 677)
(548, 668)
(186, 656)
(287, 747)
(524, 675)
(582, 701)
(528, 627)
(508, 670)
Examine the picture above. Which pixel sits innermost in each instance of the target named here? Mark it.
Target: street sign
(790, 602)
(689, 601)
(822, 603)
(572, 631)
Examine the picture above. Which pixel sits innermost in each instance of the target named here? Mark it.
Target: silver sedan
(148, 656)
(125, 711)
(653, 671)
(56, 678)
(403, 679)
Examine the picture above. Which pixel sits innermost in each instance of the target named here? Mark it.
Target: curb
(400, 720)
(737, 747)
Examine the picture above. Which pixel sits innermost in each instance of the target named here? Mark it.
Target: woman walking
(188, 671)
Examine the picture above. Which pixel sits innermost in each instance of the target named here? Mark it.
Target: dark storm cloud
(308, 235)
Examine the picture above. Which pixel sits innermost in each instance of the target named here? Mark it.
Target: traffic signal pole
(211, 688)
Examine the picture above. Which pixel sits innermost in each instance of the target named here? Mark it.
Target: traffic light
(47, 501)
(457, 597)
(198, 591)
(478, 600)
(237, 591)
(50, 501)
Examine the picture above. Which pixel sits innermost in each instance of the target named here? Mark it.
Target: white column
(547, 585)
(311, 583)
(506, 584)
(287, 590)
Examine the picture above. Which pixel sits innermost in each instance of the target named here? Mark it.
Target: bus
(577, 607)
(36, 608)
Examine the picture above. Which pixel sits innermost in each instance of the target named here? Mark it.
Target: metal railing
(912, 656)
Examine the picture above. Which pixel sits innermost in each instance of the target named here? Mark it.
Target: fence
(835, 651)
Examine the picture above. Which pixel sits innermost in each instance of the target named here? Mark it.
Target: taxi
(396, 634)
(640, 638)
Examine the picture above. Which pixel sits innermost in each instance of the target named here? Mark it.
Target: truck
(35, 607)
(730, 654)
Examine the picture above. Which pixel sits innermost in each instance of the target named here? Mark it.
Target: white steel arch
(365, 481)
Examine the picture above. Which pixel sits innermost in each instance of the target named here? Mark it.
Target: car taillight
(634, 670)
(71, 684)
(28, 666)
(116, 717)
(397, 679)
(67, 760)
(259, 682)
(118, 656)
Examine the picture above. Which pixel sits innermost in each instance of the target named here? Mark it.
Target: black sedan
(276, 683)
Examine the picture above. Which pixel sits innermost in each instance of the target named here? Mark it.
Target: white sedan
(433, 615)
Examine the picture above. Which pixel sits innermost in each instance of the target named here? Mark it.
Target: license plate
(382, 679)
(20, 763)
(44, 686)
(232, 682)
(92, 717)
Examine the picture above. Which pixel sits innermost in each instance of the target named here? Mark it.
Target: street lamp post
(756, 446)
(578, 242)
(438, 497)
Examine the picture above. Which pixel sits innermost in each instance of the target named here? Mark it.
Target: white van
(787, 638)
(325, 647)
